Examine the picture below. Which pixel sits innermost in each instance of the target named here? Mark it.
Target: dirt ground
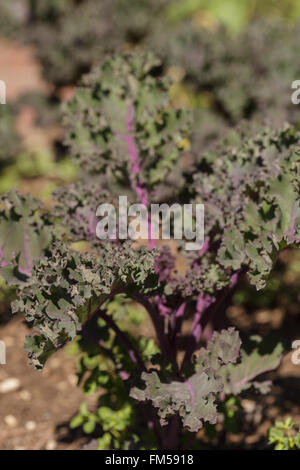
(19, 70)
(36, 409)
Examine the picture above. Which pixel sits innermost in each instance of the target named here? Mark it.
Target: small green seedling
(285, 435)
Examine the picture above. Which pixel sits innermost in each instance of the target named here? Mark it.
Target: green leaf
(25, 234)
(240, 377)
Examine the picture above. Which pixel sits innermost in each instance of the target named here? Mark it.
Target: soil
(36, 414)
(19, 70)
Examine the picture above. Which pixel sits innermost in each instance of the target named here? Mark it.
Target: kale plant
(163, 385)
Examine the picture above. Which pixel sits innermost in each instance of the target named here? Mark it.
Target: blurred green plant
(234, 14)
(285, 435)
(231, 410)
(37, 165)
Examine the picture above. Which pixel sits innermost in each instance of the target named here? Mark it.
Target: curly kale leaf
(195, 398)
(223, 348)
(217, 371)
(76, 208)
(120, 122)
(25, 233)
(66, 287)
(251, 195)
(241, 376)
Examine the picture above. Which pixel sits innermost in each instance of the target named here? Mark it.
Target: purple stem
(175, 324)
(190, 389)
(206, 309)
(204, 301)
(204, 248)
(157, 321)
(137, 182)
(135, 160)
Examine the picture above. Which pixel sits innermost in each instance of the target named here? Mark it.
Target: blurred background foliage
(234, 14)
